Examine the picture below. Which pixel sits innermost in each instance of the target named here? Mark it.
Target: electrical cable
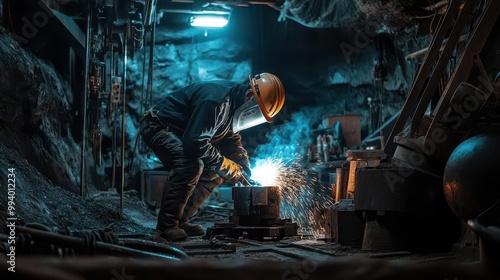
(86, 245)
(152, 246)
(39, 239)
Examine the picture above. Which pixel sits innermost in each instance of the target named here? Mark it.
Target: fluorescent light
(209, 21)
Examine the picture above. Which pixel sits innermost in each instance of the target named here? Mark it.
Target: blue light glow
(209, 21)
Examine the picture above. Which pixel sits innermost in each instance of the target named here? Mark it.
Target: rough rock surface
(35, 115)
(35, 140)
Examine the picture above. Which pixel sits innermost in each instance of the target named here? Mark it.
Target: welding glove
(242, 159)
(230, 171)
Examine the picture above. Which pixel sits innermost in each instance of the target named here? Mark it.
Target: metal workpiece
(256, 215)
(257, 205)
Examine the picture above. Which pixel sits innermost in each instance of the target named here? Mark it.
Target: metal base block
(404, 209)
(343, 225)
(152, 186)
(282, 228)
(380, 236)
(256, 216)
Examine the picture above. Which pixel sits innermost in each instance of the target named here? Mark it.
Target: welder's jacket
(201, 115)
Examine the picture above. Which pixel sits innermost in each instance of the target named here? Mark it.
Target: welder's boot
(209, 180)
(172, 206)
(195, 201)
(192, 229)
(173, 234)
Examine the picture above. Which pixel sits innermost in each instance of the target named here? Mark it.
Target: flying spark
(267, 172)
(280, 162)
(302, 198)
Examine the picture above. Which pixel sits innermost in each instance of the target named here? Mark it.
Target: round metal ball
(471, 176)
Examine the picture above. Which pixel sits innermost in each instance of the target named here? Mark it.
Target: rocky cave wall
(35, 139)
(35, 113)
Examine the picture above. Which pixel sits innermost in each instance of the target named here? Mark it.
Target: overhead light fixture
(206, 20)
(211, 15)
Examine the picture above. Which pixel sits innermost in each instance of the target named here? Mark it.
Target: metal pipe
(113, 117)
(147, 100)
(124, 111)
(151, 57)
(84, 132)
(150, 10)
(143, 89)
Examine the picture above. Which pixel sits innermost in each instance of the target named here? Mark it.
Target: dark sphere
(471, 176)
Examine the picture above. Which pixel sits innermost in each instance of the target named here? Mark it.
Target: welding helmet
(267, 100)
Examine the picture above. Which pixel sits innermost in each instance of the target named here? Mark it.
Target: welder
(194, 132)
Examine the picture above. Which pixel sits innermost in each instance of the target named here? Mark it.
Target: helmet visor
(248, 115)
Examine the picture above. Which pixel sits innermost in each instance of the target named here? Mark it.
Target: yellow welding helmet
(269, 94)
(267, 100)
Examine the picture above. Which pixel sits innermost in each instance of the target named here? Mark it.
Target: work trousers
(189, 183)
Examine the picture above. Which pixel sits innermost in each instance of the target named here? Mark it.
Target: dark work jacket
(201, 115)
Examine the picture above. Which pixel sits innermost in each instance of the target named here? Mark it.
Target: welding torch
(245, 180)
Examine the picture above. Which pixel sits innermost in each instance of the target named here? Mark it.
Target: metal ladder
(444, 42)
